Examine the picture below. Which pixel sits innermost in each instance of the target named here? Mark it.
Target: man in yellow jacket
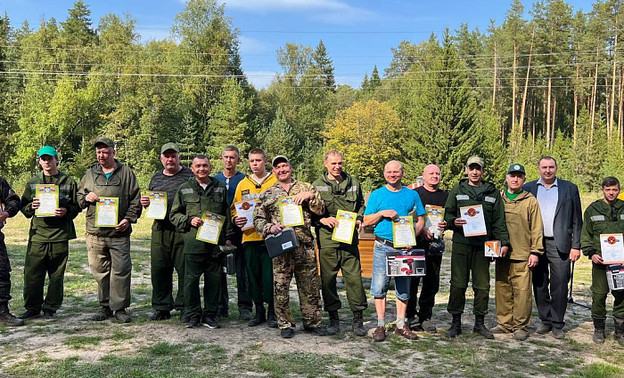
(513, 272)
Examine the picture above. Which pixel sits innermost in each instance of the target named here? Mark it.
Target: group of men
(538, 226)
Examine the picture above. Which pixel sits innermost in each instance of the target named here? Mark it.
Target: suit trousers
(550, 284)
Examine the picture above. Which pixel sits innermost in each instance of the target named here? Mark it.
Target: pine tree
(324, 65)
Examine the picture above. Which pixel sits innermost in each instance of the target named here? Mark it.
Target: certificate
(106, 211)
(157, 208)
(246, 209)
(433, 216)
(48, 196)
(210, 230)
(475, 221)
(403, 234)
(343, 232)
(291, 214)
(612, 248)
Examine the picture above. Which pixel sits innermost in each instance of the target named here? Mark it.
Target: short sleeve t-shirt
(403, 202)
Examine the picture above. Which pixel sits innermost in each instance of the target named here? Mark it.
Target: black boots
(358, 324)
(480, 327)
(619, 331)
(599, 331)
(334, 323)
(455, 329)
(8, 319)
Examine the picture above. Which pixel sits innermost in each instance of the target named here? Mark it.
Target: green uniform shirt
(345, 195)
(52, 229)
(486, 195)
(600, 218)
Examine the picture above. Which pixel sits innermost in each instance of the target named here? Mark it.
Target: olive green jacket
(600, 218)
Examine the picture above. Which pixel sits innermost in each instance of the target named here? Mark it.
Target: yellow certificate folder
(107, 212)
(343, 232)
(291, 214)
(48, 196)
(210, 230)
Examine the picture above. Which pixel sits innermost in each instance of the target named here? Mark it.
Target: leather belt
(384, 241)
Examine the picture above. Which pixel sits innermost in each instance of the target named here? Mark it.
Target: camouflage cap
(475, 160)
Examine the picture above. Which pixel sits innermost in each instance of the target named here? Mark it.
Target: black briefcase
(281, 243)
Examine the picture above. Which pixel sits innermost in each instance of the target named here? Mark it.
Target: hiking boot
(104, 313)
(618, 335)
(558, 333)
(358, 324)
(334, 323)
(455, 328)
(429, 326)
(49, 315)
(193, 322)
(159, 315)
(599, 331)
(316, 331)
(498, 330)
(210, 321)
(287, 333)
(406, 332)
(8, 319)
(271, 318)
(380, 333)
(122, 316)
(259, 318)
(521, 335)
(183, 317)
(30, 314)
(244, 314)
(480, 327)
(223, 313)
(544, 328)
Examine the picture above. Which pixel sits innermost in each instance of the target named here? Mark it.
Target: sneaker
(429, 326)
(159, 315)
(193, 322)
(29, 314)
(287, 333)
(380, 333)
(498, 330)
(210, 321)
(122, 316)
(8, 319)
(558, 333)
(49, 315)
(406, 332)
(521, 335)
(543, 329)
(103, 314)
(244, 314)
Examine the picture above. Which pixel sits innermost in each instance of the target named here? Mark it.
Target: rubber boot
(480, 327)
(455, 329)
(619, 331)
(599, 331)
(358, 324)
(334, 323)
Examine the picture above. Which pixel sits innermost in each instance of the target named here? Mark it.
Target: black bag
(281, 243)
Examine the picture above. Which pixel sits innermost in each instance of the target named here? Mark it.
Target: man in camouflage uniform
(302, 261)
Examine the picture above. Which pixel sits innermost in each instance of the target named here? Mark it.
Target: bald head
(393, 164)
(393, 173)
(431, 175)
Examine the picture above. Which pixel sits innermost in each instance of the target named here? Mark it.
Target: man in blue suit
(560, 205)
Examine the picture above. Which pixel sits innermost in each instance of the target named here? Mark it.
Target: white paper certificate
(210, 230)
(612, 248)
(106, 210)
(157, 208)
(291, 214)
(475, 221)
(246, 209)
(403, 234)
(433, 216)
(346, 225)
(48, 196)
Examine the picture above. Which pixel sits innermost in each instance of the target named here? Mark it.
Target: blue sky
(357, 34)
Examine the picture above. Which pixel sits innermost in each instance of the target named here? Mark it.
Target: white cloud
(261, 79)
(251, 45)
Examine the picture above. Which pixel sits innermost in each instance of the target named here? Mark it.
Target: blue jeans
(380, 282)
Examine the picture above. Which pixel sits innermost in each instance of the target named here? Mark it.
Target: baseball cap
(279, 159)
(169, 146)
(105, 141)
(475, 160)
(47, 150)
(516, 168)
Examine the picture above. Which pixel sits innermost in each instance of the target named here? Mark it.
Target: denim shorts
(381, 282)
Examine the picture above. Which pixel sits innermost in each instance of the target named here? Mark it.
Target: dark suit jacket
(568, 216)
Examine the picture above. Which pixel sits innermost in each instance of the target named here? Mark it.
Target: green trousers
(196, 265)
(167, 254)
(346, 258)
(466, 259)
(259, 272)
(44, 258)
(600, 289)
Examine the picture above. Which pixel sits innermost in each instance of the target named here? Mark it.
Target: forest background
(549, 84)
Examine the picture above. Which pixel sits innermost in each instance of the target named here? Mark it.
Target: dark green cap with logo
(169, 146)
(516, 168)
(108, 142)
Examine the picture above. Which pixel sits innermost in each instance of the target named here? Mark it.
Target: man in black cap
(167, 245)
(114, 186)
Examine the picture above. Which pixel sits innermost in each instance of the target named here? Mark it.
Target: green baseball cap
(47, 150)
(516, 168)
(105, 141)
(169, 146)
(475, 160)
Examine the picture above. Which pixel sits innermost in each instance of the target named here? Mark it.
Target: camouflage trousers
(301, 262)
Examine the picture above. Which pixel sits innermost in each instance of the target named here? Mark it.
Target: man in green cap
(108, 245)
(49, 236)
(473, 198)
(167, 244)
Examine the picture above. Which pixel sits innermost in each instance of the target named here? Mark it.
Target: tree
(324, 65)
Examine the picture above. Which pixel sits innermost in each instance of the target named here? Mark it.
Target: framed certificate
(291, 214)
(612, 248)
(403, 234)
(433, 216)
(157, 208)
(346, 226)
(106, 212)
(210, 230)
(48, 196)
(246, 209)
(475, 221)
